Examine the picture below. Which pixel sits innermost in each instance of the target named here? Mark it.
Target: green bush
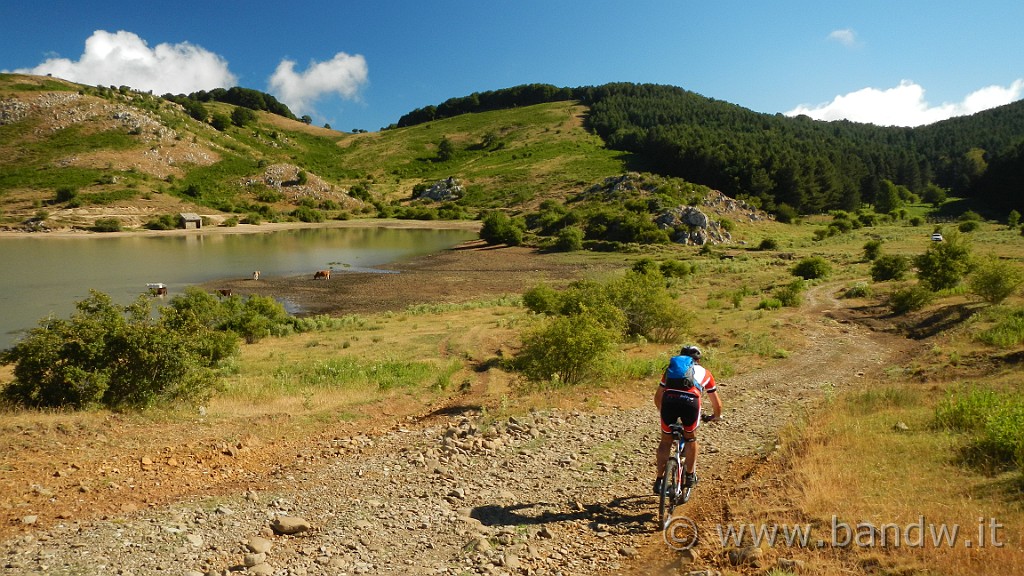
(107, 225)
(968, 226)
(889, 267)
(791, 295)
(768, 244)
(112, 356)
(500, 228)
(812, 268)
(769, 304)
(162, 222)
(569, 239)
(650, 310)
(858, 290)
(677, 269)
(995, 280)
(910, 298)
(565, 351)
(872, 249)
(945, 263)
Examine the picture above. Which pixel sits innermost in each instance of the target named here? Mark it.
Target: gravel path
(548, 493)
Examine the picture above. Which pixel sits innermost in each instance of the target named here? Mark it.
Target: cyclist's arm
(716, 403)
(657, 397)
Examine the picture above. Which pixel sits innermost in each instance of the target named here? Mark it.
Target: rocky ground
(453, 491)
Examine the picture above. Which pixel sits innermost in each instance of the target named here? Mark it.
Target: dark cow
(325, 274)
(224, 292)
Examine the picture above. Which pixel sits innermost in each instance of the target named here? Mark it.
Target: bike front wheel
(667, 499)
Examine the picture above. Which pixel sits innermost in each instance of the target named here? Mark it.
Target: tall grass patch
(993, 422)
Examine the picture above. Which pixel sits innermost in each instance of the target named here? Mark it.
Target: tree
(888, 198)
(945, 263)
(242, 116)
(1013, 219)
(445, 150)
(995, 280)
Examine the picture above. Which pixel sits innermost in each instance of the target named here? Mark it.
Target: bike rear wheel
(668, 491)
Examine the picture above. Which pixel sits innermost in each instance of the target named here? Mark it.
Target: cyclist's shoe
(691, 479)
(659, 482)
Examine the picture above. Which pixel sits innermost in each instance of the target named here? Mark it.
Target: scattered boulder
(288, 525)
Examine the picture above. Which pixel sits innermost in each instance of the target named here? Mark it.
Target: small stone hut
(191, 221)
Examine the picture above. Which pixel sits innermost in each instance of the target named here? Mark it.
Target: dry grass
(851, 465)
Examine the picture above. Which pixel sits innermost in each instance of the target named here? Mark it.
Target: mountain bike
(673, 490)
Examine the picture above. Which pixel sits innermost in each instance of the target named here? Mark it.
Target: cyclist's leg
(690, 451)
(664, 448)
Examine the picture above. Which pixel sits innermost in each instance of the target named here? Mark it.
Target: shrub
(677, 269)
(858, 290)
(162, 222)
(790, 295)
(995, 280)
(872, 249)
(968, 226)
(565, 350)
(910, 298)
(650, 310)
(812, 268)
(945, 263)
(542, 299)
(65, 194)
(569, 239)
(889, 267)
(769, 304)
(768, 244)
(107, 225)
(116, 357)
(500, 228)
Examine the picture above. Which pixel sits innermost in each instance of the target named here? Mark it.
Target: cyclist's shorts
(682, 405)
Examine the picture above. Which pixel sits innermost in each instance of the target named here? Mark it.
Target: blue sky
(363, 64)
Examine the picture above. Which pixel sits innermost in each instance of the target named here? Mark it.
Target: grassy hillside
(65, 148)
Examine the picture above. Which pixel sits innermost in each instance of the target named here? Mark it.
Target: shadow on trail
(631, 514)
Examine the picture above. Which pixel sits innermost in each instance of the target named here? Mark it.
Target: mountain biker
(681, 398)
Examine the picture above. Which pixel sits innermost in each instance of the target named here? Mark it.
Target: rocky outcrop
(443, 190)
(691, 226)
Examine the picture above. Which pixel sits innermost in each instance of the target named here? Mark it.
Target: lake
(47, 275)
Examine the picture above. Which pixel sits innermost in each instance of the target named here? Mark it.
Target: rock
(195, 540)
(259, 545)
(748, 555)
(628, 552)
(901, 427)
(261, 570)
(250, 560)
(288, 525)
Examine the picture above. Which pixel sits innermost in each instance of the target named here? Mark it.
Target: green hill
(71, 155)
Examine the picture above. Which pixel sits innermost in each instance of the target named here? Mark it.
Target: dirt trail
(454, 492)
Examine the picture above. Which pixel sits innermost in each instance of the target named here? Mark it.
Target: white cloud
(124, 59)
(846, 36)
(343, 75)
(905, 105)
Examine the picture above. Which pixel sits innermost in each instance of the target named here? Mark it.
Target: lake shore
(250, 228)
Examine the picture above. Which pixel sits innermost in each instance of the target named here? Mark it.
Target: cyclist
(681, 398)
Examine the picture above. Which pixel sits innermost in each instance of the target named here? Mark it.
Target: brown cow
(224, 291)
(325, 274)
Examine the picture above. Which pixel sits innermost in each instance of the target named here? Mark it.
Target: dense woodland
(777, 161)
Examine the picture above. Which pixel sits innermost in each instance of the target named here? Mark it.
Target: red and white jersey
(703, 379)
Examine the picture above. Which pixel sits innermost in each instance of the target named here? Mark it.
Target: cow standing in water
(256, 275)
(325, 274)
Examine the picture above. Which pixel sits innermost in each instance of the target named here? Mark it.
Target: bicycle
(673, 490)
